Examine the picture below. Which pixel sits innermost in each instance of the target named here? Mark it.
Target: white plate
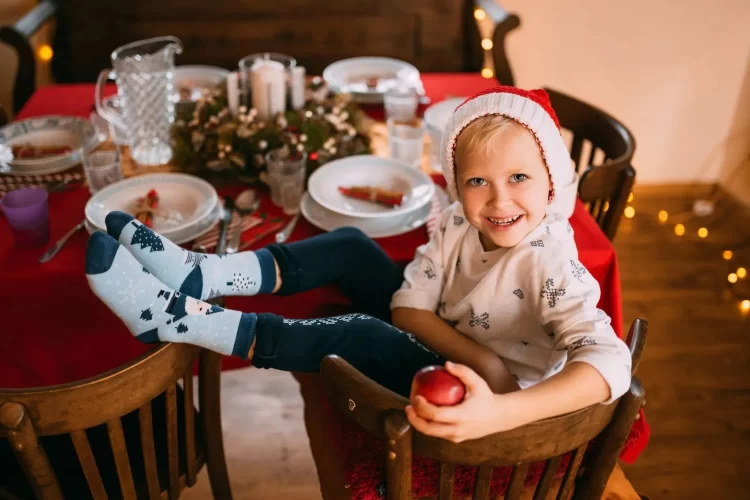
(350, 76)
(186, 200)
(197, 77)
(185, 236)
(369, 170)
(78, 134)
(437, 115)
(374, 228)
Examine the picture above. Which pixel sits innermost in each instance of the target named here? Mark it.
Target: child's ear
(551, 196)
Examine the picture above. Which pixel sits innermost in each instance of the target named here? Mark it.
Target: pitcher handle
(110, 115)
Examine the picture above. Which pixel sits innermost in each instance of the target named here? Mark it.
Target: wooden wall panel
(430, 34)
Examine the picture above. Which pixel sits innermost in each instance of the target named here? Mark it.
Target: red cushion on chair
(363, 456)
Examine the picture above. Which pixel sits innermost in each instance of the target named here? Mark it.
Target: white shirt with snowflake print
(534, 304)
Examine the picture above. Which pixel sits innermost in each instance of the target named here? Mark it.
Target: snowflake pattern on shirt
(482, 320)
(537, 243)
(578, 271)
(429, 272)
(551, 293)
(518, 293)
(582, 342)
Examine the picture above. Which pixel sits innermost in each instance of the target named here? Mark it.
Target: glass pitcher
(144, 74)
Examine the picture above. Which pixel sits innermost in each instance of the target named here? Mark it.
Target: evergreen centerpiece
(209, 141)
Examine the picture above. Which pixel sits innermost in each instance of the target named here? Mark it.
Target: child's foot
(154, 312)
(198, 275)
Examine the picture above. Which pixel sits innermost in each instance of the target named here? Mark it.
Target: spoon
(246, 203)
(60, 243)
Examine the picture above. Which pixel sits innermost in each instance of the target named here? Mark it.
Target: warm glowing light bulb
(45, 53)
(663, 215)
(679, 230)
(745, 305)
(727, 255)
(487, 73)
(606, 206)
(630, 198)
(703, 232)
(479, 14)
(629, 212)
(732, 278)
(741, 272)
(487, 44)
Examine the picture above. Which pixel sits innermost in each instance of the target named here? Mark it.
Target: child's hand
(478, 415)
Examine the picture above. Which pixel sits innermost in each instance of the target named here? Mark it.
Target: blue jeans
(366, 339)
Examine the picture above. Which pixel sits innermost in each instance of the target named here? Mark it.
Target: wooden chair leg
(209, 387)
(607, 448)
(398, 456)
(17, 427)
(327, 461)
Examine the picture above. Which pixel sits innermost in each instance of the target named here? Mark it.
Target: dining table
(56, 331)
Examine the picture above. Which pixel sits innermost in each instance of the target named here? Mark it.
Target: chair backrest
(598, 138)
(503, 22)
(18, 37)
(605, 190)
(28, 417)
(380, 412)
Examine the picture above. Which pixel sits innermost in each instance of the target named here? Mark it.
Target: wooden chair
(503, 23)
(18, 36)
(602, 148)
(380, 412)
(605, 191)
(594, 128)
(130, 433)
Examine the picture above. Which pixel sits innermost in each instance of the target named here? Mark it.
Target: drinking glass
(102, 168)
(406, 141)
(286, 178)
(28, 216)
(401, 102)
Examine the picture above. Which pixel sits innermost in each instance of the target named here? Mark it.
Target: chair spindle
(149, 453)
(122, 463)
(88, 464)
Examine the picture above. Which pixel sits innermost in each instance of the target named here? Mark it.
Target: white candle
(268, 85)
(297, 85)
(233, 96)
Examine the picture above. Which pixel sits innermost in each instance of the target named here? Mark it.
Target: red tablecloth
(54, 329)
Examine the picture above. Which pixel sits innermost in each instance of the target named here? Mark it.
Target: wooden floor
(696, 371)
(696, 366)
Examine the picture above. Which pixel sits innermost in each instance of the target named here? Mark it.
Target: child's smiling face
(505, 187)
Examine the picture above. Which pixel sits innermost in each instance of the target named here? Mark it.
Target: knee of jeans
(356, 238)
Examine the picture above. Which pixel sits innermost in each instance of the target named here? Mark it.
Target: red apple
(438, 386)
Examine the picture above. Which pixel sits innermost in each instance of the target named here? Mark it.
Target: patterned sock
(198, 275)
(154, 312)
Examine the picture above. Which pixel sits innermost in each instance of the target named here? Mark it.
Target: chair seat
(64, 461)
(363, 456)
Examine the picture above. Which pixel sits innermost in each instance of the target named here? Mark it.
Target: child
(498, 287)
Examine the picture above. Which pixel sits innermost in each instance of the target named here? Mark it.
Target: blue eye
(477, 181)
(515, 178)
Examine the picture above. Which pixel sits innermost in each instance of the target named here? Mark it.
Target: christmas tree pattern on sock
(154, 312)
(198, 275)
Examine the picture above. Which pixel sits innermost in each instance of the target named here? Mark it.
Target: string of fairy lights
(736, 273)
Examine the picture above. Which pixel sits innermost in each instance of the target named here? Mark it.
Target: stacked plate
(325, 207)
(71, 136)
(436, 118)
(368, 78)
(188, 206)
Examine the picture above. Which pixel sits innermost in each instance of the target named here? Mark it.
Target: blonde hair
(477, 135)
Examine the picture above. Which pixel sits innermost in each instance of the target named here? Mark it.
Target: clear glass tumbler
(286, 178)
(102, 168)
(406, 141)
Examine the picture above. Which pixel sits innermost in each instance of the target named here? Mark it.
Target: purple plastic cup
(28, 216)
